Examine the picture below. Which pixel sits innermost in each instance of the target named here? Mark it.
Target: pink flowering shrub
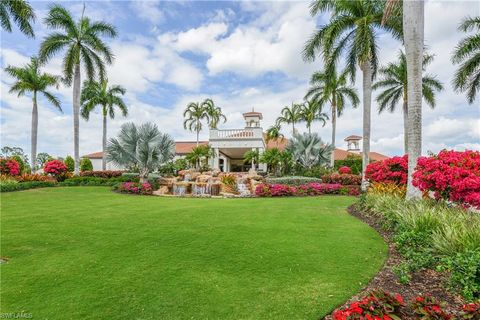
(309, 189)
(345, 179)
(135, 188)
(391, 170)
(9, 167)
(344, 170)
(55, 168)
(450, 175)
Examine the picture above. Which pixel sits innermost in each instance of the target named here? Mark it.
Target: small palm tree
(252, 157)
(312, 111)
(290, 115)
(329, 87)
(308, 150)
(99, 94)
(286, 162)
(214, 113)
(83, 46)
(272, 158)
(198, 155)
(143, 147)
(273, 133)
(22, 14)
(194, 114)
(467, 53)
(30, 79)
(393, 82)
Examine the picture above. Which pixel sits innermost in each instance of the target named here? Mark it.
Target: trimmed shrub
(86, 165)
(391, 170)
(26, 185)
(343, 179)
(309, 189)
(352, 161)
(56, 168)
(9, 167)
(344, 170)
(24, 167)
(101, 173)
(70, 163)
(96, 181)
(135, 188)
(292, 181)
(34, 177)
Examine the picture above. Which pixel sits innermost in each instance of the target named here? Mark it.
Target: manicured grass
(88, 253)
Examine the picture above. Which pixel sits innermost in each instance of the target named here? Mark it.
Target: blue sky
(244, 55)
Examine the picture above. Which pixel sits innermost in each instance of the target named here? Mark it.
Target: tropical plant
(286, 162)
(22, 14)
(352, 32)
(100, 94)
(194, 114)
(290, 115)
(70, 163)
(143, 147)
(312, 111)
(393, 82)
(252, 157)
(84, 47)
(273, 133)
(272, 158)
(85, 165)
(328, 87)
(42, 158)
(214, 113)
(199, 156)
(467, 54)
(29, 78)
(309, 150)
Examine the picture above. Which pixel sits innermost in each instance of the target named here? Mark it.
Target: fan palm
(30, 79)
(142, 147)
(312, 111)
(99, 94)
(252, 157)
(194, 114)
(328, 87)
(199, 153)
(83, 46)
(308, 150)
(393, 82)
(273, 133)
(353, 32)
(214, 113)
(290, 115)
(272, 158)
(467, 52)
(22, 14)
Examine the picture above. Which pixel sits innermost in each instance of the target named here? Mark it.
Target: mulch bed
(422, 282)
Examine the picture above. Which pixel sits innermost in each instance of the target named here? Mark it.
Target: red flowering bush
(391, 170)
(135, 188)
(309, 189)
(101, 173)
(427, 307)
(470, 311)
(378, 305)
(55, 167)
(343, 179)
(9, 167)
(450, 175)
(344, 170)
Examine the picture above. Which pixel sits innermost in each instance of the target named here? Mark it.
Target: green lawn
(88, 253)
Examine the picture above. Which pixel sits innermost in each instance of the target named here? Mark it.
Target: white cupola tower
(252, 119)
(353, 143)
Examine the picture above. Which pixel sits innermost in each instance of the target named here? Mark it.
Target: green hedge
(353, 162)
(26, 185)
(292, 181)
(95, 181)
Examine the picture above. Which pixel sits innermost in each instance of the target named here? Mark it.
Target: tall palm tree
(413, 30)
(84, 46)
(290, 115)
(214, 113)
(467, 52)
(22, 14)
(30, 79)
(194, 114)
(328, 87)
(393, 82)
(353, 32)
(312, 111)
(273, 133)
(100, 94)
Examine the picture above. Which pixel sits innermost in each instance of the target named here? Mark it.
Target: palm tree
(99, 94)
(394, 85)
(83, 46)
(308, 150)
(272, 158)
(252, 157)
(199, 153)
(214, 113)
(311, 111)
(353, 32)
(30, 79)
(22, 14)
(194, 114)
(328, 87)
(273, 133)
(467, 52)
(143, 147)
(290, 115)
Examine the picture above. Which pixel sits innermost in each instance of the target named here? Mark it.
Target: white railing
(235, 134)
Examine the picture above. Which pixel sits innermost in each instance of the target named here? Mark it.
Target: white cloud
(148, 10)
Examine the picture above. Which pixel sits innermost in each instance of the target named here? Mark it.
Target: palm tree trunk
(198, 132)
(104, 140)
(293, 128)
(76, 118)
(405, 126)
(367, 106)
(309, 129)
(334, 129)
(34, 131)
(413, 28)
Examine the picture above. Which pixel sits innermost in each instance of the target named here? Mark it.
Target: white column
(262, 166)
(216, 162)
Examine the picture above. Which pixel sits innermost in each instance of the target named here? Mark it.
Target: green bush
(86, 165)
(96, 181)
(315, 172)
(70, 163)
(354, 162)
(25, 185)
(292, 181)
(24, 168)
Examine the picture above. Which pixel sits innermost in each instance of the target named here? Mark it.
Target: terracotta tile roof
(184, 147)
(352, 137)
(276, 143)
(253, 113)
(95, 155)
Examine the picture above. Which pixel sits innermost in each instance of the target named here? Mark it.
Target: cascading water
(179, 189)
(242, 187)
(201, 189)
